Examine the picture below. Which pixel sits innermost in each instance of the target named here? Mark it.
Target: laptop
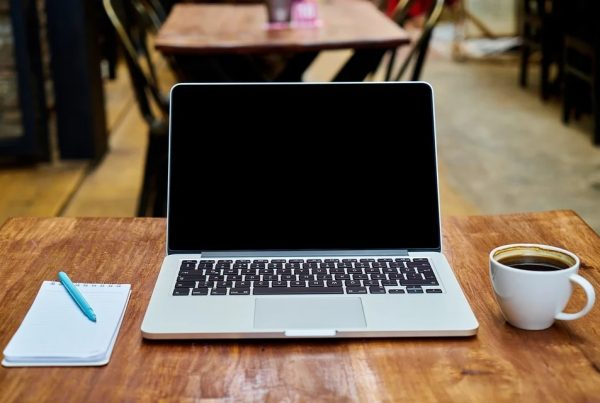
(304, 210)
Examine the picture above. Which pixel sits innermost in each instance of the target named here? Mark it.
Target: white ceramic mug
(532, 300)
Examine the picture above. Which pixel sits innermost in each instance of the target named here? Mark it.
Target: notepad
(55, 332)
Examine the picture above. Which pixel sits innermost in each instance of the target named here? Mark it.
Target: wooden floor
(111, 188)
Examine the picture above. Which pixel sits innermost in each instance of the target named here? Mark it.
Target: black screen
(302, 166)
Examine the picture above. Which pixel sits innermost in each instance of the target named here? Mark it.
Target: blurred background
(84, 104)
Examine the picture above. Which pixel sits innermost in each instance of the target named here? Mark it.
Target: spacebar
(297, 290)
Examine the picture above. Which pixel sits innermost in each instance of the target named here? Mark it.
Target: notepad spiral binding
(100, 285)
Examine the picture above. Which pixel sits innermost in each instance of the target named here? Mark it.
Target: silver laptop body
(294, 213)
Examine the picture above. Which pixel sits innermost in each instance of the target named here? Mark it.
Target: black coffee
(534, 263)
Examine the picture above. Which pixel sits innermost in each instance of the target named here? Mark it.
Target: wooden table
(241, 30)
(501, 362)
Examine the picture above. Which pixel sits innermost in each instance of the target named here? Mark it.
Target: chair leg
(390, 66)
(545, 71)
(567, 91)
(147, 193)
(421, 57)
(595, 84)
(525, 51)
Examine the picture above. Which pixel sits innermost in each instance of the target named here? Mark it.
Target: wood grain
(501, 362)
(228, 28)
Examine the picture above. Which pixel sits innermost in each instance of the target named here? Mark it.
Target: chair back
(418, 50)
(132, 23)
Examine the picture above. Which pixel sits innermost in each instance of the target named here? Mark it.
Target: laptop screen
(302, 167)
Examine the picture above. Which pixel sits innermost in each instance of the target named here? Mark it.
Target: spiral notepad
(56, 333)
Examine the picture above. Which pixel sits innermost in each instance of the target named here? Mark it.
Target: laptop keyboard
(306, 276)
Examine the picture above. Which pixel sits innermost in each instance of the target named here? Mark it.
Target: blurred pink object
(304, 12)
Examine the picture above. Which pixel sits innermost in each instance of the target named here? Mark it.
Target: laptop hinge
(390, 252)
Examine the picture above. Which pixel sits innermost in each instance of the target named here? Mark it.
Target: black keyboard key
(279, 284)
(296, 260)
(403, 259)
(237, 277)
(278, 261)
(224, 284)
(371, 283)
(349, 260)
(332, 260)
(242, 284)
(191, 277)
(420, 259)
(433, 291)
(366, 260)
(419, 282)
(242, 261)
(377, 276)
(200, 291)
(360, 277)
(239, 291)
(389, 282)
(181, 291)
(414, 290)
(314, 261)
(396, 291)
(298, 290)
(356, 290)
(376, 290)
(219, 291)
(185, 284)
(334, 283)
(342, 277)
(352, 283)
(316, 283)
(188, 264)
(298, 283)
(261, 284)
(385, 260)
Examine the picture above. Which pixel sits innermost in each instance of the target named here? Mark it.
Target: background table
(227, 30)
(501, 362)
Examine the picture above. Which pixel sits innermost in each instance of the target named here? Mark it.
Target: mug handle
(590, 294)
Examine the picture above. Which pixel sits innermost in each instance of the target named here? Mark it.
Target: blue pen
(76, 295)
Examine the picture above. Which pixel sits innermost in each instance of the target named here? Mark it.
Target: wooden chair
(418, 50)
(131, 25)
(581, 59)
(541, 31)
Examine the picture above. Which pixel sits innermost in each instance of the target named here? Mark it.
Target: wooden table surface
(228, 28)
(500, 363)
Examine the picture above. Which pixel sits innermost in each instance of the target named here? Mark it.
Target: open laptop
(304, 210)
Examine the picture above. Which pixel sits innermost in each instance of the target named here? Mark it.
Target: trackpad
(308, 313)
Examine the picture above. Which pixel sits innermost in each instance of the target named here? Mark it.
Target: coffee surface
(534, 263)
